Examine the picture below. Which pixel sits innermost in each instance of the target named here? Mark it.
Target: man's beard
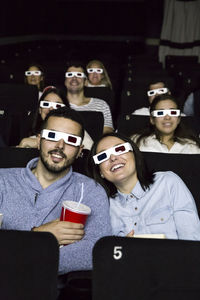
(55, 168)
(75, 89)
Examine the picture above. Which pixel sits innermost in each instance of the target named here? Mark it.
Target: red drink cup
(74, 212)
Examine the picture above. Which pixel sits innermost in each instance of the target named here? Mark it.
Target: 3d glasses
(164, 112)
(95, 70)
(36, 73)
(55, 136)
(75, 74)
(116, 150)
(159, 91)
(48, 104)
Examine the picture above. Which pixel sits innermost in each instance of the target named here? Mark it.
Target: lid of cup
(82, 208)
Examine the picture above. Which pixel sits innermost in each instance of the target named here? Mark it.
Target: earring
(81, 155)
(102, 176)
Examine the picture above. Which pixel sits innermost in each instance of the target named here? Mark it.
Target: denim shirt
(167, 207)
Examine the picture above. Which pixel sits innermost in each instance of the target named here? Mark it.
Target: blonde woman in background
(97, 75)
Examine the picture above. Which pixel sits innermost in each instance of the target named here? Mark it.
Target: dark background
(136, 18)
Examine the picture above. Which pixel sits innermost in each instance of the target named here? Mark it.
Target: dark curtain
(180, 33)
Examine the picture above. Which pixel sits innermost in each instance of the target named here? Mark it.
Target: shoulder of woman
(188, 141)
(134, 137)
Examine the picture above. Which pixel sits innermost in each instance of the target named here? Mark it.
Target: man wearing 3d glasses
(75, 78)
(35, 202)
(155, 88)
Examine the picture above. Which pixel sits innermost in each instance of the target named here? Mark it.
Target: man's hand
(65, 232)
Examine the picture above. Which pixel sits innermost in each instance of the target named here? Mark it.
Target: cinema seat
(187, 166)
(18, 103)
(145, 269)
(12, 157)
(28, 265)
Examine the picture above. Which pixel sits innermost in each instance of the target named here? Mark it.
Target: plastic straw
(81, 198)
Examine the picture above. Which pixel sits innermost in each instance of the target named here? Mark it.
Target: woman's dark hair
(39, 67)
(37, 120)
(181, 132)
(144, 176)
(106, 79)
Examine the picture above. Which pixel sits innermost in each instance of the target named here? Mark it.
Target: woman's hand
(130, 234)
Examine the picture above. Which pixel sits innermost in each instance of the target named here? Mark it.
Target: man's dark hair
(67, 113)
(76, 64)
(144, 176)
(168, 82)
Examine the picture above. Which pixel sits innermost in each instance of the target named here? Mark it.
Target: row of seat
(180, 77)
(129, 93)
(187, 166)
(16, 122)
(130, 78)
(163, 269)
(87, 285)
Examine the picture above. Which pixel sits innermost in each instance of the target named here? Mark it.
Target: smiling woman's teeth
(116, 167)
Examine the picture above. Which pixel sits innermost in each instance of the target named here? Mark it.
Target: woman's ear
(79, 154)
(152, 121)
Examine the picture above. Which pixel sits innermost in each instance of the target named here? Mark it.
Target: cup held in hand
(74, 212)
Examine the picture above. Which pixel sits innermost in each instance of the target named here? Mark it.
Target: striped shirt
(96, 105)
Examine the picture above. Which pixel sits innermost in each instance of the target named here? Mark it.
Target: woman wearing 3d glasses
(51, 98)
(142, 202)
(34, 75)
(165, 132)
(97, 75)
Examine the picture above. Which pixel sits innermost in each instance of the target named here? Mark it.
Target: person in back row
(35, 202)
(166, 133)
(75, 77)
(97, 75)
(34, 75)
(51, 98)
(142, 202)
(155, 88)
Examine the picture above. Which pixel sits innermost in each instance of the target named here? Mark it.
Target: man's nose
(60, 144)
